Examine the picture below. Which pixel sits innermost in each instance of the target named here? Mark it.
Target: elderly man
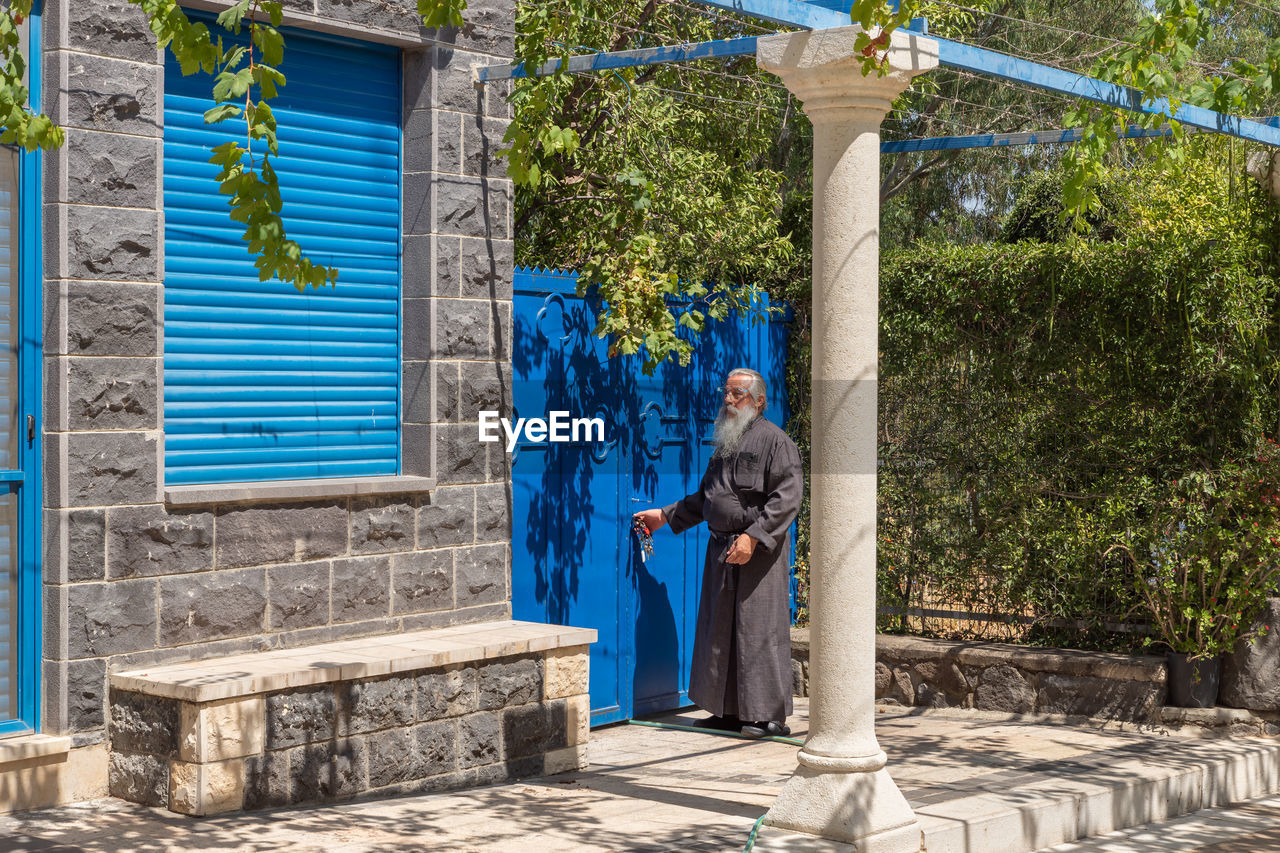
(748, 497)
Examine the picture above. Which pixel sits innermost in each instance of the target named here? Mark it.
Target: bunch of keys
(642, 533)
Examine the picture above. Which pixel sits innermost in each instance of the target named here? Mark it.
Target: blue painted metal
(790, 13)
(262, 382)
(20, 498)
(574, 559)
(992, 64)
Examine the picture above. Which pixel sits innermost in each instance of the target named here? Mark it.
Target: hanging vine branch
(239, 71)
(21, 126)
(246, 79)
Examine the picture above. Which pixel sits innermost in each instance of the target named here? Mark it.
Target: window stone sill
(26, 747)
(295, 490)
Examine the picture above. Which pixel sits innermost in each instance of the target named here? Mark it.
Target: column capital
(824, 70)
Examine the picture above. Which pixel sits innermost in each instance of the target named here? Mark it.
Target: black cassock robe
(742, 647)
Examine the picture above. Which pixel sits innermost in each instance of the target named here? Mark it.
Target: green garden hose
(751, 839)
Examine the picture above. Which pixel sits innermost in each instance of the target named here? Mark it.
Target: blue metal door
(574, 560)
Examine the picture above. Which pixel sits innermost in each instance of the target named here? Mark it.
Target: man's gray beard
(730, 425)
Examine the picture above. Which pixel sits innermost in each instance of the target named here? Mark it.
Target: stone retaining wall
(1000, 677)
(430, 729)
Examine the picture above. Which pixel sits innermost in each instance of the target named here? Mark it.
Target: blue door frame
(25, 480)
(574, 560)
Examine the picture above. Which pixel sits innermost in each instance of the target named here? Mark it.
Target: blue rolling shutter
(262, 382)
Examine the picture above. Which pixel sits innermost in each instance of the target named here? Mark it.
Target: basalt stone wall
(433, 729)
(1011, 679)
(138, 574)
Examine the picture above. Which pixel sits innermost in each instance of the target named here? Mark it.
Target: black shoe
(766, 729)
(720, 724)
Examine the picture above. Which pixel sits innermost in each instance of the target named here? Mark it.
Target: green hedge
(1037, 400)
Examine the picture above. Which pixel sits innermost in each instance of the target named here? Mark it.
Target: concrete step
(1098, 781)
(1249, 827)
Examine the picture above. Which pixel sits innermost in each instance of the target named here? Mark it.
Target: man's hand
(653, 519)
(741, 550)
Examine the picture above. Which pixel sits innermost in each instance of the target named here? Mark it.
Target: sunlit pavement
(979, 783)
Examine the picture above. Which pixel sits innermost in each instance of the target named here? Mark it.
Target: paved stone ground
(660, 790)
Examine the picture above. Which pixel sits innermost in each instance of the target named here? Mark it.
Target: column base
(846, 812)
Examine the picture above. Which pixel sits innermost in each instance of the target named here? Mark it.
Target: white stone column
(841, 792)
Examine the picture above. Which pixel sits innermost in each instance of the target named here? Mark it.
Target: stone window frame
(417, 398)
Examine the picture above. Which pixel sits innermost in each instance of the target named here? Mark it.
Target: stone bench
(1007, 678)
(430, 710)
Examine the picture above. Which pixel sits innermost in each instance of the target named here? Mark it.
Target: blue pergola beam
(988, 62)
(623, 59)
(950, 53)
(789, 13)
(992, 64)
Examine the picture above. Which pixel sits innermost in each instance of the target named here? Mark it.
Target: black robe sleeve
(784, 489)
(687, 512)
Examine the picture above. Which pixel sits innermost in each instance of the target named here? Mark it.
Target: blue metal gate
(574, 560)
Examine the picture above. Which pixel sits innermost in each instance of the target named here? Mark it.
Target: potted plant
(1205, 567)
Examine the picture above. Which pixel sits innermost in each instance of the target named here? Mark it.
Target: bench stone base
(423, 729)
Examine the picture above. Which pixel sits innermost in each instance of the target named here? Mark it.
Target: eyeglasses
(735, 394)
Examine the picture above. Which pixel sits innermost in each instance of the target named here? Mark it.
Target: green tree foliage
(963, 195)
(1037, 213)
(656, 182)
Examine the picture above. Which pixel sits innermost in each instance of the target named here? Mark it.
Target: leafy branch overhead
(660, 184)
(1158, 64)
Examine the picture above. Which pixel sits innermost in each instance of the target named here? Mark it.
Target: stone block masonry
(439, 710)
(140, 571)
